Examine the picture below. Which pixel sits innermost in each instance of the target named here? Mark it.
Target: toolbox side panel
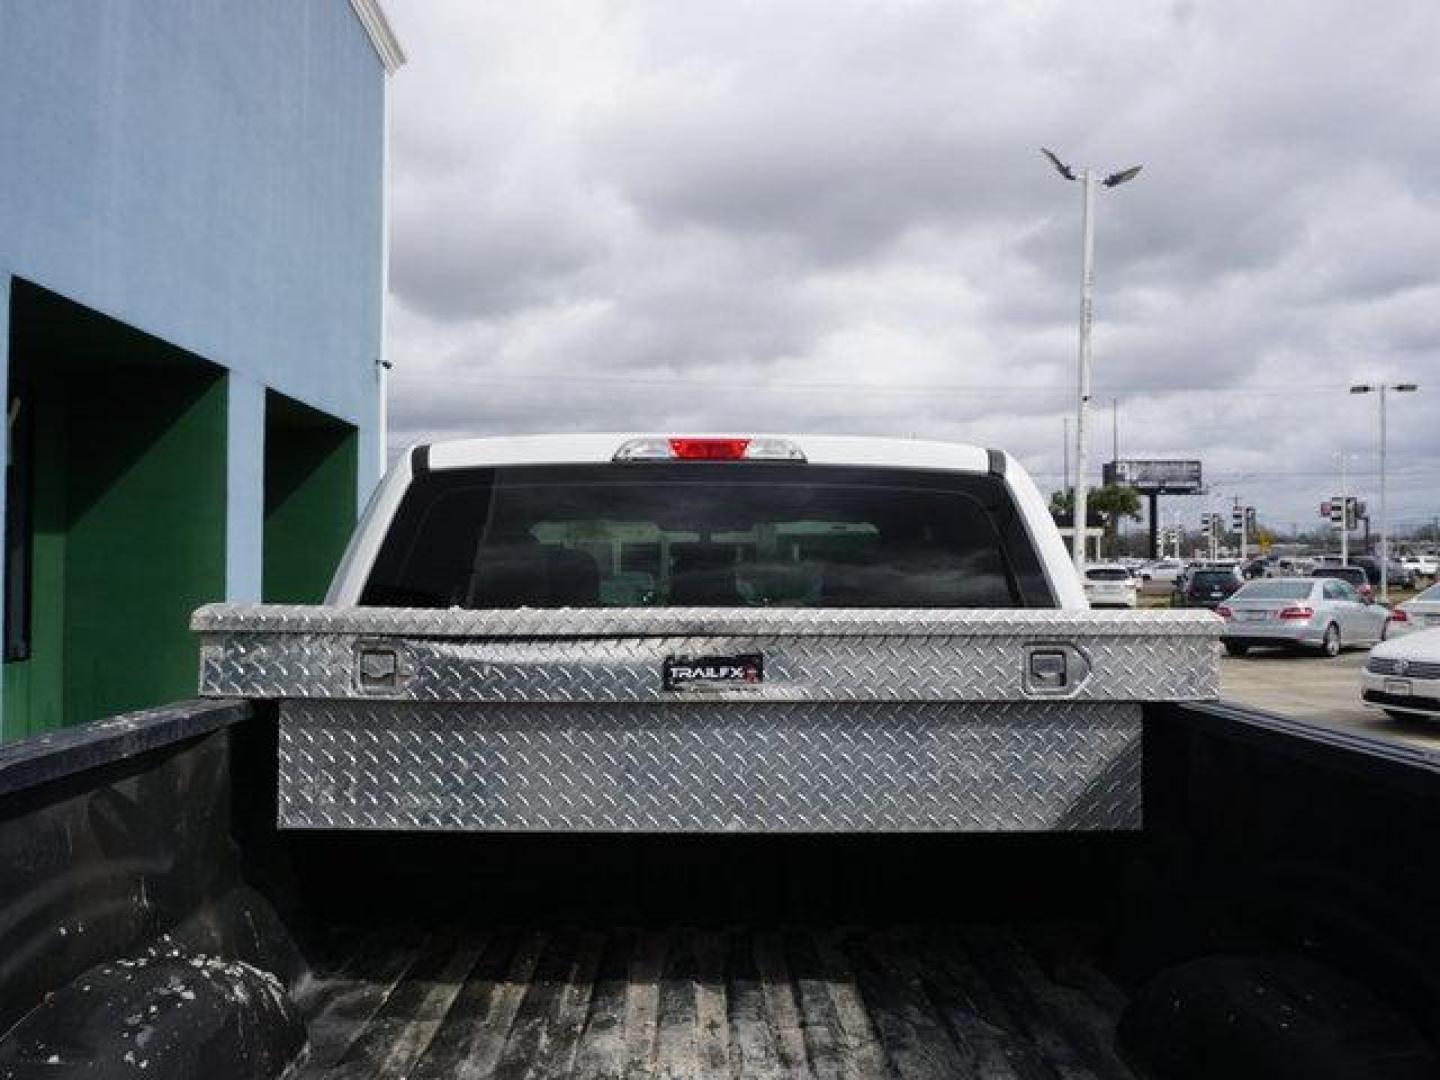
(705, 767)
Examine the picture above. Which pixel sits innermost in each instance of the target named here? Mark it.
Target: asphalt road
(1318, 691)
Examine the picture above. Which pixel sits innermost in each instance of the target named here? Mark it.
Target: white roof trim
(387, 45)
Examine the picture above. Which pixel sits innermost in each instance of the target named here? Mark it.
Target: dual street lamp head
(1399, 388)
(1113, 180)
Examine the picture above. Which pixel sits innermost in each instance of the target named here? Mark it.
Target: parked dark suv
(1207, 588)
(1401, 576)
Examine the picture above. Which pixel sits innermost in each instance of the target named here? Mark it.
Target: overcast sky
(833, 217)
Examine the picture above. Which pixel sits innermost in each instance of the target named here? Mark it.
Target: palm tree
(1113, 502)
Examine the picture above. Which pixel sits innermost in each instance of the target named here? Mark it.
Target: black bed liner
(915, 1001)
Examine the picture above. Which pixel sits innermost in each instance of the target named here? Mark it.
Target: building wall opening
(310, 499)
(116, 523)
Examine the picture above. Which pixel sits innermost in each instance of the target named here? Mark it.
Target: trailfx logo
(705, 672)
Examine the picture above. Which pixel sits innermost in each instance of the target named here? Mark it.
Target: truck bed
(928, 1000)
(1275, 917)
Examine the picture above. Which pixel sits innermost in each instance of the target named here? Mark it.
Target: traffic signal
(1344, 512)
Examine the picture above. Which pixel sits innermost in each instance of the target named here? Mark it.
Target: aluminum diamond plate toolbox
(708, 720)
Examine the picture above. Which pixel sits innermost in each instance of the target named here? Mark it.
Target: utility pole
(1065, 446)
(1344, 515)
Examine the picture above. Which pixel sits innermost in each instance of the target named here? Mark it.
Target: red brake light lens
(1223, 611)
(754, 448)
(1399, 615)
(1297, 611)
(709, 449)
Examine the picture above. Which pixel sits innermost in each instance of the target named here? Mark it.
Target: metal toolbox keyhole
(379, 668)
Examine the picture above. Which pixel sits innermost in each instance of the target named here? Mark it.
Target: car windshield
(1107, 573)
(1275, 590)
(715, 535)
(1430, 594)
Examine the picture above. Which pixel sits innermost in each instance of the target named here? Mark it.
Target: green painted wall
(146, 543)
(129, 529)
(310, 499)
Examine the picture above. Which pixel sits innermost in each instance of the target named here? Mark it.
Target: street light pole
(1381, 389)
(1088, 179)
(1384, 516)
(1082, 410)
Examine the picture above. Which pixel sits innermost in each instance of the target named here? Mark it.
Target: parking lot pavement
(1320, 691)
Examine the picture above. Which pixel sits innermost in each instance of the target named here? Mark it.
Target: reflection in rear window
(1275, 590)
(723, 535)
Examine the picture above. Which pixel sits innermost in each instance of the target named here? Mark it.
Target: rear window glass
(723, 535)
(1275, 590)
(1432, 593)
(1211, 578)
(1107, 573)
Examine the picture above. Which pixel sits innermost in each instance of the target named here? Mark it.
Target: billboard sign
(1167, 477)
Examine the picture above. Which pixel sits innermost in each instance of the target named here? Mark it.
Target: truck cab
(648, 521)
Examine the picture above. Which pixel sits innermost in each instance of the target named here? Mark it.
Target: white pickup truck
(708, 634)
(477, 815)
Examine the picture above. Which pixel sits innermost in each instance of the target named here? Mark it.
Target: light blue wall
(209, 171)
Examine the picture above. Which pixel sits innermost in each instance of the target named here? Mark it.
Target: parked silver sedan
(1326, 614)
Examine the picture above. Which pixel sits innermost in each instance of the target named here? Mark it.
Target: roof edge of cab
(601, 447)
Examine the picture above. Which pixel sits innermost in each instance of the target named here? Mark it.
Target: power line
(565, 379)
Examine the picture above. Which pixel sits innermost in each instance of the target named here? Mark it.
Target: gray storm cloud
(834, 217)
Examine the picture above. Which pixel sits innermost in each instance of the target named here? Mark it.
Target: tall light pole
(1088, 179)
(1382, 389)
(1344, 510)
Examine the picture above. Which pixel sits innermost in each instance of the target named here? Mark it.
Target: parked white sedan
(1420, 612)
(1402, 677)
